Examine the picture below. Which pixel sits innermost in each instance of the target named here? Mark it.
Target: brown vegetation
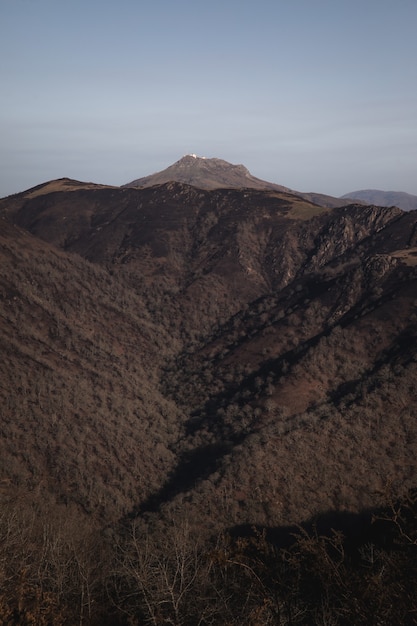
(56, 569)
(178, 362)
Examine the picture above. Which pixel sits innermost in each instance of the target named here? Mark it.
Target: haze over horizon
(317, 96)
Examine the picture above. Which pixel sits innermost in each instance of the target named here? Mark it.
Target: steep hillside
(183, 365)
(194, 255)
(275, 333)
(81, 414)
(307, 400)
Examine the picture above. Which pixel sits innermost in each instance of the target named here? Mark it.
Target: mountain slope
(182, 367)
(200, 254)
(248, 353)
(205, 174)
(78, 381)
(304, 389)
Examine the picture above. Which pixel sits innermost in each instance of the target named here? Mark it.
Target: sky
(316, 95)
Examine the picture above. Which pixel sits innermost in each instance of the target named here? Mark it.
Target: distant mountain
(205, 174)
(404, 201)
(217, 174)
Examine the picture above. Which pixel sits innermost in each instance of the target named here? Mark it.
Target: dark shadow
(392, 528)
(193, 466)
(351, 525)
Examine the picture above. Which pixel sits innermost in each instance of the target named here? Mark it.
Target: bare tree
(164, 577)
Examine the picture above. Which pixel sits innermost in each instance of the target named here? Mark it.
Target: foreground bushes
(56, 571)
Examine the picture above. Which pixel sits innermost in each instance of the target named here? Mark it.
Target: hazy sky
(317, 95)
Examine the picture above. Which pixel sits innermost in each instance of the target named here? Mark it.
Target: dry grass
(407, 256)
(305, 211)
(63, 185)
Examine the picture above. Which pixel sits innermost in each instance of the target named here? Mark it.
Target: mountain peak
(193, 156)
(206, 173)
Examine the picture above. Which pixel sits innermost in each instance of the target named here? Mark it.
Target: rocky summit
(205, 173)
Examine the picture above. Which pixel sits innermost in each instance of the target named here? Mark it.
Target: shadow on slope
(193, 466)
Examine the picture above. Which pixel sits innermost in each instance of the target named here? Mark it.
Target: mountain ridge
(215, 173)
